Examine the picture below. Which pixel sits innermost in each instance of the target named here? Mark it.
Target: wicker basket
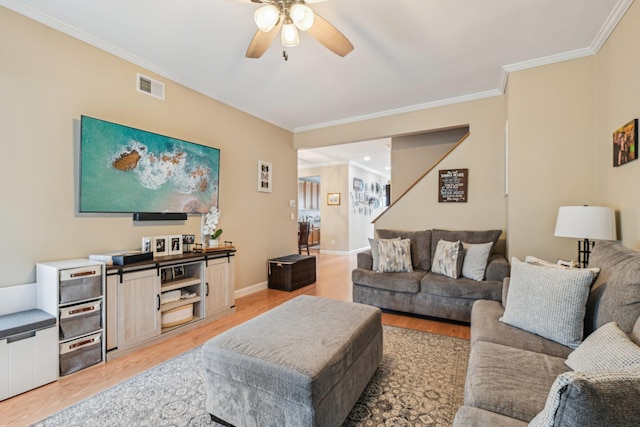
(291, 272)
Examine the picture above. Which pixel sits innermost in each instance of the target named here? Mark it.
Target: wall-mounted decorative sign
(625, 143)
(453, 185)
(264, 176)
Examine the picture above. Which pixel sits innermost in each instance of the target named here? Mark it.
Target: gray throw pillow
(475, 260)
(394, 255)
(606, 348)
(547, 301)
(448, 259)
(593, 398)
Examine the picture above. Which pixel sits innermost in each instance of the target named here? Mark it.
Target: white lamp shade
(302, 16)
(290, 36)
(586, 222)
(266, 17)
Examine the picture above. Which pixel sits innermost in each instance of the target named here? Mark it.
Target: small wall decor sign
(453, 185)
(625, 143)
(333, 198)
(264, 176)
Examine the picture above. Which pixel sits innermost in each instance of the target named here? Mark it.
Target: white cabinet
(219, 286)
(73, 290)
(138, 307)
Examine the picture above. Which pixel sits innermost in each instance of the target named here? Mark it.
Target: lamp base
(584, 250)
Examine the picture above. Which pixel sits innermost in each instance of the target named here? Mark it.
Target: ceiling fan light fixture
(266, 17)
(290, 37)
(302, 16)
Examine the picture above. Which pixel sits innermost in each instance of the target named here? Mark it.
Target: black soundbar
(159, 216)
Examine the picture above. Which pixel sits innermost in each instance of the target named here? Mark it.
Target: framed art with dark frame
(625, 143)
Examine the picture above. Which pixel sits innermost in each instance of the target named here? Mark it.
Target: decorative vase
(213, 243)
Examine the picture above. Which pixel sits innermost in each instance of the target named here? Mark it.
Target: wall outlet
(292, 216)
(333, 242)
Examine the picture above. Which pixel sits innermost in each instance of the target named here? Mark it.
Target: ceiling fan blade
(329, 36)
(261, 42)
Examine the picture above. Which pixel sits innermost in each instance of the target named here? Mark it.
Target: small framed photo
(160, 245)
(175, 245)
(625, 143)
(178, 272)
(187, 241)
(166, 274)
(265, 173)
(146, 244)
(333, 198)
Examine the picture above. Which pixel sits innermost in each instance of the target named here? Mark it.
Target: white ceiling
(409, 54)
(374, 156)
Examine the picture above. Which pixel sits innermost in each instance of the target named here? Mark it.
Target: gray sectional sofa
(513, 375)
(422, 291)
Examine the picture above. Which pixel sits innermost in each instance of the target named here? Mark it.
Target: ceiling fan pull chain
(284, 55)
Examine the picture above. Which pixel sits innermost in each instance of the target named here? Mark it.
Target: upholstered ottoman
(304, 363)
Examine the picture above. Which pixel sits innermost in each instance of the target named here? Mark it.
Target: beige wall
(551, 154)
(48, 80)
(617, 102)
(482, 153)
(413, 155)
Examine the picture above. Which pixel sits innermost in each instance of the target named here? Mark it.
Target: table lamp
(586, 222)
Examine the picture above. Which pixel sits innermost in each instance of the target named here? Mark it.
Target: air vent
(149, 86)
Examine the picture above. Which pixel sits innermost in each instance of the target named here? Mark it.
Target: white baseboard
(251, 289)
(355, 251)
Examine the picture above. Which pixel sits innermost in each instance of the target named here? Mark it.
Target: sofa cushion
(394, 256)
(476, 256)
(510, 381)
(448, 259)
(468, 236)
(635, 333)
(420, 245)
(550, 302)
(486, 327)
(615, 295)
(437, 284)
(468, 416)
(397, 282)
(594, 398)
(606, 348)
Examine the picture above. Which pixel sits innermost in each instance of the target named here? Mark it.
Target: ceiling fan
(289, 16)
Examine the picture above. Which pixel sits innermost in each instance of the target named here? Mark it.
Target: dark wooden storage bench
(291, 272)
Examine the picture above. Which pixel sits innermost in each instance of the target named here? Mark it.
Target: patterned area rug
(420, 382)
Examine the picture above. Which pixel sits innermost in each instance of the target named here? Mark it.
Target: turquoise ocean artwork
(128, 170)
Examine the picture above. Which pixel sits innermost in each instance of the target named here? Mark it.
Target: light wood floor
(333, 281)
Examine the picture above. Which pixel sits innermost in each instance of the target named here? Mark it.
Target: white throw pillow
(606, 348)
(394, 255)
(448, 259)
(475, 260)
(374, 252)
(547, 301)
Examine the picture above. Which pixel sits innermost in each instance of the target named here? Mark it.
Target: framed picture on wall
(264, 176)
(625, 143)
(333, 198)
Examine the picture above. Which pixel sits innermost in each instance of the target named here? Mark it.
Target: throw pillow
(547, 301)
(394, 255)
(475, 260)
(606, 348)
(448, 259)
(374, 252)
(594, 398)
